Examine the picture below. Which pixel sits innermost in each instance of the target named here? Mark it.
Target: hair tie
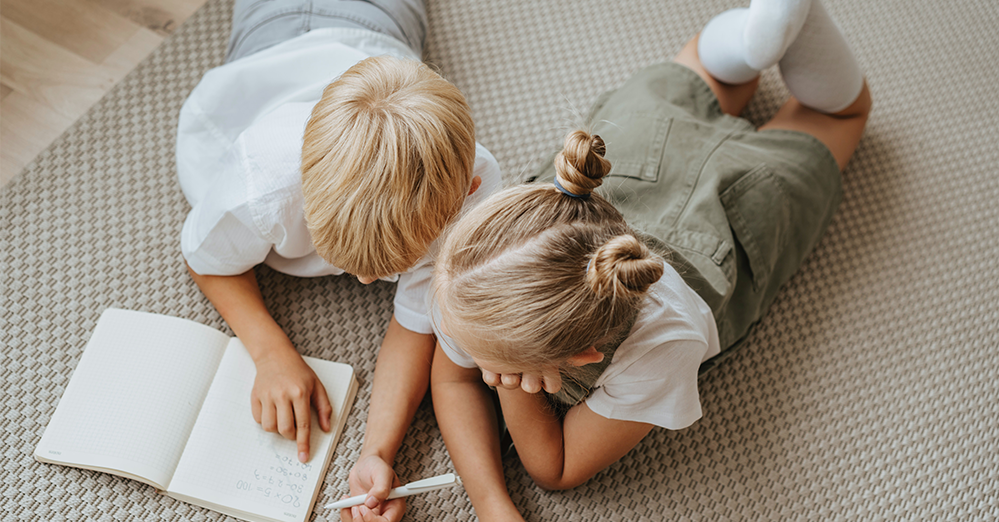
(568, 193)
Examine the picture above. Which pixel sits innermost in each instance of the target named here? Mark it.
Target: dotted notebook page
(134, 395)
(231, 464)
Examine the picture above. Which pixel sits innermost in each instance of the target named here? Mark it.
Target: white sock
(739, 43)
(815, 60)
(771, 27)
(818, 67)
(721, 49)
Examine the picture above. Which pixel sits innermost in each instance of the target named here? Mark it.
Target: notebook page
(234, 466)
(134, 395)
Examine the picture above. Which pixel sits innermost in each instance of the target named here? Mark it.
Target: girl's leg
(840, 131)
(830, 99)
(815, 60)
(732, 98)
(819, 68)
(739, 43)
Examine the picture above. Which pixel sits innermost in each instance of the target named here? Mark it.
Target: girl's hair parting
(533, 276)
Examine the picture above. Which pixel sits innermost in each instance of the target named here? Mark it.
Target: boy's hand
(374, 476)
(283, 392)
(529, 382)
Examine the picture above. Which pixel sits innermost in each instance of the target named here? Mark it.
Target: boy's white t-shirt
(653, 375)
(239, 147)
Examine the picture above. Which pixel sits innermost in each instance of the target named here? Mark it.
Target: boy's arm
(467, 419)
(285, 385)
(402, 374)
(562, 454)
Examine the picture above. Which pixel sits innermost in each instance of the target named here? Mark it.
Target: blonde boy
(324, 146)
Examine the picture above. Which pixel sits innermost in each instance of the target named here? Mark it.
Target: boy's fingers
(255, 408)
(323, 408)
(303, 420)
(286, 420)
(268, 417)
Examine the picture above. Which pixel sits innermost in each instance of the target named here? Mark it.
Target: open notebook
(166, 401)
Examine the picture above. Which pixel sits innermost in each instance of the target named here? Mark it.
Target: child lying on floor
(611, 300)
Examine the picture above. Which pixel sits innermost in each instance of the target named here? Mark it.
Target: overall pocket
(758, 212)
(635, 143)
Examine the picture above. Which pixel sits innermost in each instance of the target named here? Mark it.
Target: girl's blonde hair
(387, 161)
(533, 276)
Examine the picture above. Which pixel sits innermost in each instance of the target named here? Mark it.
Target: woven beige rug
(869, 392)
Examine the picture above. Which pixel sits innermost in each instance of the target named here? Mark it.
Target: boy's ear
(476, 181)
(587, 356)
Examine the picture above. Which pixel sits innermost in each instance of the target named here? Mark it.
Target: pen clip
(433, 482)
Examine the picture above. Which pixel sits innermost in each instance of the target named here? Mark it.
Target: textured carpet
(869, 392)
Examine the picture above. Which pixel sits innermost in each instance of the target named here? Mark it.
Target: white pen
(420, 486)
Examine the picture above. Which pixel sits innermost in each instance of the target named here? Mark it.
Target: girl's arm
(562, 454)
(467, 419)
(402, 374)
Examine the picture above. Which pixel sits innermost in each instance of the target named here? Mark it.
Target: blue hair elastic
(567, 193)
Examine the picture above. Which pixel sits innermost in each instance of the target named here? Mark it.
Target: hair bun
(623, 267)
(581, 165)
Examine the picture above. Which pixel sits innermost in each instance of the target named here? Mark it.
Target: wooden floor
(59, 57)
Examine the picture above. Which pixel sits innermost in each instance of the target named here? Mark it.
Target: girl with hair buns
(592, 311)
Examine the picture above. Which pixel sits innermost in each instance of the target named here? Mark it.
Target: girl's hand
(374, 476)
(284, 390)
(363, 514)
(529, 382)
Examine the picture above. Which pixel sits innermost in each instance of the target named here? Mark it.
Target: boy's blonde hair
(533, 276)
(387, 161)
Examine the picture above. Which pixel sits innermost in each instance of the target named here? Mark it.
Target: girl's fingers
(531, 383)
(490, 378)
(393, 510)
(365, 514)
(552, 383)
(510, 380)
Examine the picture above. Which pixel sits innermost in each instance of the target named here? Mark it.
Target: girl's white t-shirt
(239, 148)
(652, 377)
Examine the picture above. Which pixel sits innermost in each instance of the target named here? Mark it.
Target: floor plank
(83, 27)
(59, 57)
(121, 62)
(40, 69)
(51, 88)
(159, 16)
